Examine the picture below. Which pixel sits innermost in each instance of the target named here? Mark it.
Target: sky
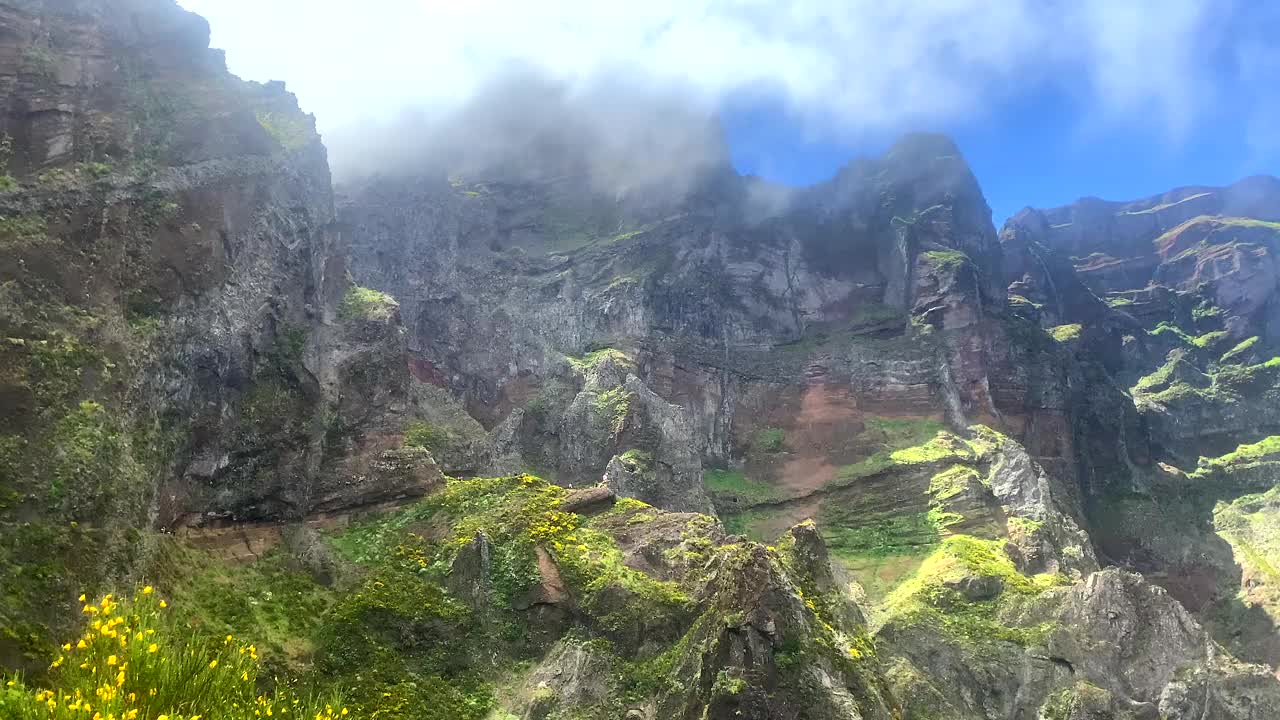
(1049, 100)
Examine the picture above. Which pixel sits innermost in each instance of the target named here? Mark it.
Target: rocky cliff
(842, 451)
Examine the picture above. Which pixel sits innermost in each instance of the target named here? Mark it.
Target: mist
(638, 85)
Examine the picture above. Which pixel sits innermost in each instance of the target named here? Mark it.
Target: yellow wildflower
(163, 604)
(82, 597)
(213, 664)
(152, 648)
(82, 644)
(146, 590)
(111, 660)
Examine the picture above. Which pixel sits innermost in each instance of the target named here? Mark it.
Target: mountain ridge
(841, 452)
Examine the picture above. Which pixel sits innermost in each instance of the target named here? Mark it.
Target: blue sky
(1049, 100)
(1034, 150)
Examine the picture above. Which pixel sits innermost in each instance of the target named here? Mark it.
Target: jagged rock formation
(896, 465)
(176, 349)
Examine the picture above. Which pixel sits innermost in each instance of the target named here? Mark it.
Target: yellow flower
(81, 645)
(82, 598)
(163, 717)
(245, 676)
(111, 660)
(66, 646)
(147, 591)
(163, 604)
(213, 664)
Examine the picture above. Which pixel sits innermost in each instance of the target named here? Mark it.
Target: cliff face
(169, 299)
(832, 452)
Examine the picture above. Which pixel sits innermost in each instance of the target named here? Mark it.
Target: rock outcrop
(828, 452)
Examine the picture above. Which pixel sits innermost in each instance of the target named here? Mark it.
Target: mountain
(513, 432)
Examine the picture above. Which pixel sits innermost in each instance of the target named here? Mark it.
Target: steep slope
(1184, 310)
(170, 284)
(810, 457)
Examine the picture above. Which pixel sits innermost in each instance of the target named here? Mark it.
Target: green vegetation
(890, 534)
(424, 435)
(7, 181)
(291, 131)
(904, 442)
(613, 406)
(361, 303)
(731, 489)
(930, 598)
(1209, 339)
(1166, 329)
(1238, 351)
(946, 259)
(1066, 333)
(1119, 302)
(592, 360)
(1206, 310)
(1266, 449)
(770, 440)
(133, 661)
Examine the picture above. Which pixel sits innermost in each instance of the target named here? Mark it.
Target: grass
(927, 600)
(361, 303)
(733, 489)
(1266, 449)
(770, 440)
(133, 662)
(1066, 333)
(946, 259)
(903, 441)
(425, 435)
(291, 131)
(1238, 351)
(592, 360)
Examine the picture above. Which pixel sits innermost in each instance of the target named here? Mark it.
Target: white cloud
(845, 67)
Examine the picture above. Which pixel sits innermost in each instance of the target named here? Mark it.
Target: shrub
(361, 303)
(134, 663)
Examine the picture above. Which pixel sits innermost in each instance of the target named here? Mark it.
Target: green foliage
(1166, 329)
(92, 464)
(636, 461)
(1209, 339)
(1119, 301)
(1066, 333)
(424, 435)
(770, 440)
(291, 131)
(928, 600)
(1238, 351)
(1266, 449)
(889, 534)
(904, 442)
(946, 259)
(613, 406)
(361, 303)
(593, 359)
(7, 181)
(1206, 310)
(731, 489)
(19, 229)
(134, 661)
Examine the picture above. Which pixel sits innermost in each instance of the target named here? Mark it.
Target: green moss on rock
(361, 303)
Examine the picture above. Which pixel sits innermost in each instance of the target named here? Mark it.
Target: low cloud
(846, 68)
